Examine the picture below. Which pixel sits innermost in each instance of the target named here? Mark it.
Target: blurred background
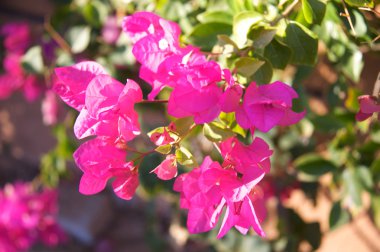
(330, 203)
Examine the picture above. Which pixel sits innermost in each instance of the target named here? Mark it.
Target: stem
(187, 133)
(347, 15)
(376, 87)
(154, 101)
(286, 12)
(57, 37)
(142, 155)
(369, 9)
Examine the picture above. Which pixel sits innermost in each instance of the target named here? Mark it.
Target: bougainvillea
(200, 89)
(27, 217)
(17, 39)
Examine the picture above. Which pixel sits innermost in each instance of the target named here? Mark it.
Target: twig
(375, 39)
(346, 14)
(376, 86)
(286, 12)
(153, 101)
(369, 9)
(56, 36)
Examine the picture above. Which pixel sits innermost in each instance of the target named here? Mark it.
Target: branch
(346, 14)
(153, 101)
(376, 87)
(286, 12)
(57, 37)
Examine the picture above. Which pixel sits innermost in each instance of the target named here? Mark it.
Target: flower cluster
(17, 39)
(206, 190)
(201, 89)
(28, 217)
(195, 79)
(106, 111)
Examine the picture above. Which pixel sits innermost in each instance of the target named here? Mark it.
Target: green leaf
(264, 74)
(361, 3)
(236, 6)
(95, 13)
(352, 65)
(278, 54)
(205, 35)
(327, 123)
(261, 35)
(216, 132)
(79, 38)
(338, 216)
(353, 187)
(375, 169)
(247, 66)
(32, 60)
(229, 120)
(313, 166)
(184, 157)
(225, 40)
(365, 177)
(302, 42)
(360, 25)
(215, 16)
(242, 24)
(313, 11)
(159, 130)
(375, 206)
(183, 124)
(164, 149)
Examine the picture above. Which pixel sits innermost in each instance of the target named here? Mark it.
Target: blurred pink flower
(28, 216)
(111, 30)
(50, 108)
(17, 37)
(368, 106)
(32, 88)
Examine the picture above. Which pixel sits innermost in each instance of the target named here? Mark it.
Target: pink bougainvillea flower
(17, 37)
(203, 104)
(167, 169)
(243, 158)
(206, 190)
(49, 108)
(267, 106)
(199, 200)
(111, 30)
(125, 183)
(143, 24)
(28, 216)
(71, 82)
(109, 109)
(32, 87)
(100, 160)
(12, 64)
(368, 106)
(242, 216)
(163, 138)
(8, 84)
(230, 99)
